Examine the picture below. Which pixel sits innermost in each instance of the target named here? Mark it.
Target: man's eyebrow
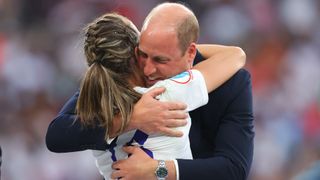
(140, 51)
(158, 57)
(161, 58)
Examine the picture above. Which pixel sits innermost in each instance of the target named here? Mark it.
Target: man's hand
(152, 116)
(139, 166)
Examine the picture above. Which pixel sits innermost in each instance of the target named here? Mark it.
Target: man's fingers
(176, 106)
(117, 174)
(115, 165)
(171, 132)
(173, 123)
(156, 91)
(177, 114)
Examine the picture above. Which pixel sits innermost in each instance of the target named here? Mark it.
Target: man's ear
(191, 52)
(136, 52)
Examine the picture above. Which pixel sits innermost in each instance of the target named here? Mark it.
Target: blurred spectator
(225, 24)
(299, 16)
(311, 170)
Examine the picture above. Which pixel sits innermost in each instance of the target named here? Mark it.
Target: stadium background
(41, 63)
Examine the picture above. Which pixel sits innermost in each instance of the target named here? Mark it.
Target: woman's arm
(222, 63)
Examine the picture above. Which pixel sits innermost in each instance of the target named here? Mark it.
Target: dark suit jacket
(221, 134)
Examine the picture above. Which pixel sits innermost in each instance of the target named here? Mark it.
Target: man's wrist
(161, 172)
(171, 170)
(170, 166)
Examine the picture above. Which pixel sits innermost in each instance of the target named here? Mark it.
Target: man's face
(160, 57)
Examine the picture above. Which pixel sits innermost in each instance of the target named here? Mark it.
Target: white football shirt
(188, 87)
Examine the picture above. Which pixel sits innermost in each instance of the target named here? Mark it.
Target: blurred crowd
(42, 62)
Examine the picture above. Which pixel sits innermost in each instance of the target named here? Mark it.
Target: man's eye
(143, 55)
(160, 61)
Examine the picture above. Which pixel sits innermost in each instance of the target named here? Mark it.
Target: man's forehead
(158, 39)
(153, 54)
(159, 29)
(159, 21)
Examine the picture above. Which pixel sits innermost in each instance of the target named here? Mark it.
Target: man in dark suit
(221, 134)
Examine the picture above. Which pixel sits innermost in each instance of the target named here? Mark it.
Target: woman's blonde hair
(109, 46)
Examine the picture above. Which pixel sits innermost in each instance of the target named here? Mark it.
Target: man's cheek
(140, 63)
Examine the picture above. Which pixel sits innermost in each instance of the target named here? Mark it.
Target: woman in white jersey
(113, 84)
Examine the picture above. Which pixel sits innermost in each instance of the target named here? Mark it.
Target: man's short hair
(187, 32)
(187, 29)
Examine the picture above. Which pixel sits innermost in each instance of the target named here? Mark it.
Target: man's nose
(149, 67)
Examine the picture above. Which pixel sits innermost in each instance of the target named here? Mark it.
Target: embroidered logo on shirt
(182, 78)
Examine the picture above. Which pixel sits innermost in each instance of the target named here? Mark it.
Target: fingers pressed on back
(176, 105)
(156, 91)
(116, 174)
(177, 114)
(171, 132)
(173, 123)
